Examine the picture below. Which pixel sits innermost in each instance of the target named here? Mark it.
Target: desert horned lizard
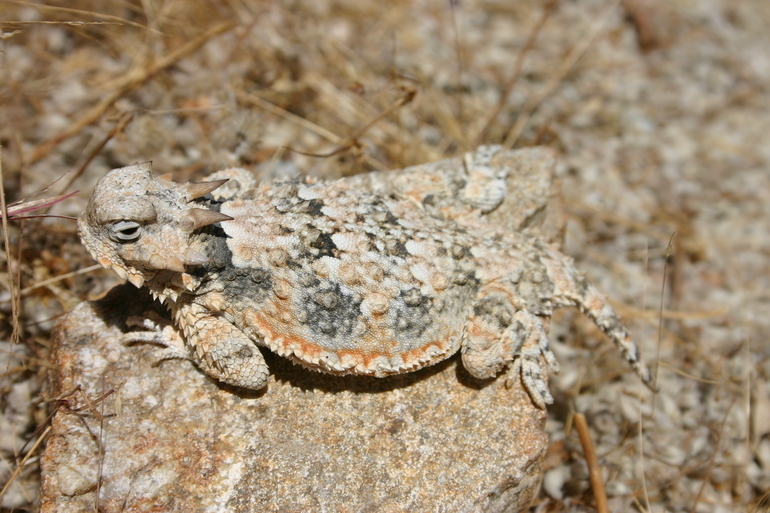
(338, 279)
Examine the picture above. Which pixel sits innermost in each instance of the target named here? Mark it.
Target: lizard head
(138, 224)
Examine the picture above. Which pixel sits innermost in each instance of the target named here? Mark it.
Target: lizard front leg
(221, 349)
(216, 346)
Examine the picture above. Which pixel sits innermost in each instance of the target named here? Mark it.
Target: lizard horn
(200, 217)
(196, 190)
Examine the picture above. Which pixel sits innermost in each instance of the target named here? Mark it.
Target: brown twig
(12, 284)
(62, 399)
(761, 505)
(595, 472)
(669, 251)
(712, 459)
(62, 402)
(89, 404)
(677, 315)
(518, 66)
(50, 22)
(124, 119)
(79, 12)
(579, 49)
(408, 96)
(23, 292)
(131, 79)
(285, 114)
(458, 43)
(23, 462)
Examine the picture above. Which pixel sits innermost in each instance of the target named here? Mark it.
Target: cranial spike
(200, 217)
(196, 190)
(194, 257)
(136, 279)
(166, 180)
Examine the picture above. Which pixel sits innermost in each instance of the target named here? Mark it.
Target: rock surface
(174, 440)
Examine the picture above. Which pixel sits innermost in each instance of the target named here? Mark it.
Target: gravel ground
(657, 108)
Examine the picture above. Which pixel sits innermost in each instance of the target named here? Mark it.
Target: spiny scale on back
(339, 280)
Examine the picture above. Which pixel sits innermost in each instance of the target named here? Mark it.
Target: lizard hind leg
(497, 333)
(573, 289)
(536, 344)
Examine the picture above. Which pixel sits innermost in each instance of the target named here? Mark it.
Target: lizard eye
(126, 231)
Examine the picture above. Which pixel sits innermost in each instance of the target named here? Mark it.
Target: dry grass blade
(352, 141)
(713, 457)
(459, 55)
(761, 505)
(308, 125)
(15, 298)
(123, 85)
(550, 87)
(52, 22)
(595, 471)
(125, 118)
(117, 20)
(59, 278)
(24, 462)
(699, 379)
(278, 111)
(669, 251)
(583, 208)
(15, 210)
(518, 66)
(677, 315)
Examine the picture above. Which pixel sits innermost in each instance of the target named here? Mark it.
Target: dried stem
(12, 284)
(23, 462)
(508, 87)
(124, 84)
(595, 472)
(352, 141)
(566, 66)
(712, 459)
(125, 118)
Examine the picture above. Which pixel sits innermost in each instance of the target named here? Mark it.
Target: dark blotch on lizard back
(313, 207)
(331, 312)
(325, 246)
